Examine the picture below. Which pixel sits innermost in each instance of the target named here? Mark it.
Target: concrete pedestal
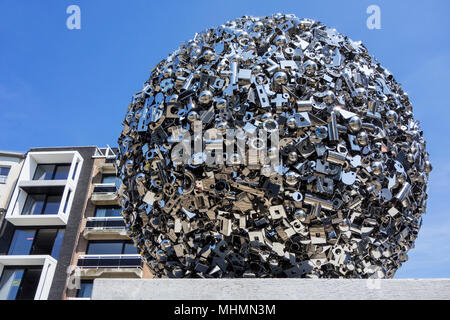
(270, 289)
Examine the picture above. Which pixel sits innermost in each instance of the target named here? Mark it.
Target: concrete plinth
(270, 289)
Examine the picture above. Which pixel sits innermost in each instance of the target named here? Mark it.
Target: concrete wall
(270, 289)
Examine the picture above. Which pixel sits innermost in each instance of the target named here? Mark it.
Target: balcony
(108, 166)
(48, 173)
(102, 228)
(104, 194)
(110, 265)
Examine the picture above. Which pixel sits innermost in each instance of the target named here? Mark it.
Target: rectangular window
(4, 171)
(22, 242)
(75, 170)
(34, 204)
(67, 201)
(129, 248)
(109, 178)
(85, 290)
(52, 172)
(52, 205)
(43, 241)
(19, 283)
(10, 283)
(107, 211)
(43, 244)
(109, 247)
(41, 204)
(44, 172)
(61, 172)
(57, 244)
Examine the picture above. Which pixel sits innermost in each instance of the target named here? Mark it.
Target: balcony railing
(105, 223)
(110, 261)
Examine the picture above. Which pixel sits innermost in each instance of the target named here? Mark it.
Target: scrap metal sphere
(272, 147)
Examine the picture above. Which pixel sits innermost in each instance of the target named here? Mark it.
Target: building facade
(10, 165)
(103, 248)
(62, 227)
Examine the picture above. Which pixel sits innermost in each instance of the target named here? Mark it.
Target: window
(109, 178)
(85, 290)
(4, 171)
(41, 204)
(52, 205)
(22, 242)
(61, 172)
(107, 211)
(69, 193)
(57, 243)
(43, 244)
(34, 204)
(75, 170)
(129, 248)
(19, 283)
(52, 172)
(44, 241)
(111, 247)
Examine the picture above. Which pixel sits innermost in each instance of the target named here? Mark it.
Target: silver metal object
(344, 198)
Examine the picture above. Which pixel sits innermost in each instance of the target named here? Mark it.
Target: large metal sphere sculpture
(272, 147)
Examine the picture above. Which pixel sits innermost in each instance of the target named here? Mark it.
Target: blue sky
(61, 87)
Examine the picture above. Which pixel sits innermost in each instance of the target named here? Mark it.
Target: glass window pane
(22, 242)
(105, 247)
(44, 172)
(10, 283)
(66, 203)
(85, 290)
(30, 281)
(34, 204)
(100, 212)
(4, 171)
(62, 172)
(52, 205)
(57, 244)
(107, 211)
(75, 170)
(44, 241)
(109, 179)
(129, 248)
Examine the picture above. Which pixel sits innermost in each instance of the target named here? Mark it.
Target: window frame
(3, 177)
(108, 175)
(44, 206)
(55, 168)
(77, 295)
(124, 242)
(36, 231)
(25, 271)
(107, 207)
